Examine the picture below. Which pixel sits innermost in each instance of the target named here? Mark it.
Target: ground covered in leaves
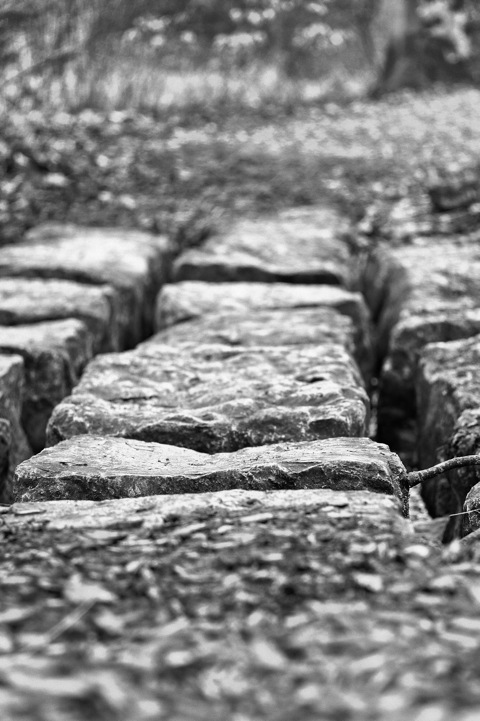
(332, 612)
(183, 174)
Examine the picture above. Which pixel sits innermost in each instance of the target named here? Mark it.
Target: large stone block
(100, 468)
(448, 399)
(421, 293)
(217, 398)
(180, 302)
(281, 327)
(304, 245)
(136, 264)
(14, 447)
(54, 355)
(34, 300)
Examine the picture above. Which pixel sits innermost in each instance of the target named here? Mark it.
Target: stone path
(244, 417)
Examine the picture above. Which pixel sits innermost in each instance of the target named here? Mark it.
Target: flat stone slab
(34, 300)
(422, 293)
(282, 327)
(180, 302)
(448, 393)
(136, 264)
(101, 468)
(14, 446)
(54, 355)
(304, 245)
(217, 398)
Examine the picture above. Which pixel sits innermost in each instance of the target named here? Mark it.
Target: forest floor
(183, 173)
(88, 627)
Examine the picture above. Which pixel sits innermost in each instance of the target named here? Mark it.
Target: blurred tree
(427, 41)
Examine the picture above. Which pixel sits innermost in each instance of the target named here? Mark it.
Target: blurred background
(163, 113)
(157, 54)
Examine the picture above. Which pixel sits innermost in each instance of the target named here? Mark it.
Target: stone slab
(188, 300)
(34, 300)
(448, 398)
(217, 398)
(152, 512)
(136, 264)
(303, 245)
(14, 446)
(281, 327)
(54, 354)
(422, 293)
(101, 468)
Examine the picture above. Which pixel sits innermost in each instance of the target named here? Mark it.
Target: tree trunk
(419, 48)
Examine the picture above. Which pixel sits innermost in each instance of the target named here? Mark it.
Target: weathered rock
(33, 300)
(99, 468)
(150, 513)
(180, 302)
(471, 509)
(422, 293)
(136, 264)
(14, 447)
(54, 354)
(282, 327)
(304, 245)
(448, 398)
(217, 398)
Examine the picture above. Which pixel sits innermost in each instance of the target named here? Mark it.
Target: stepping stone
(180, 302)
(338, 508)
(448, 394)
(217, 398)
(423, 293)
(32, 300)
(54, 354)
(136, 264)
(14, 446)
(100, 468)
(304, 245)
(282, 327)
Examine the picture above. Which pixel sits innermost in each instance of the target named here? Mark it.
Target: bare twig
(416, 477)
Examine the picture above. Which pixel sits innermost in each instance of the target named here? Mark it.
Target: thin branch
(416, 477)
(62, 56)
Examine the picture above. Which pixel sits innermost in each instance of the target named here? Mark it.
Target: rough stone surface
(282, 327)
(448, 397)
(217, 398)
(54, 354)
(471, 509)
(14, 447)
(180, 302)
(306, 245)
(422, 293)
(33, 300)
(151, 512)
(136, 264)
(99, 468)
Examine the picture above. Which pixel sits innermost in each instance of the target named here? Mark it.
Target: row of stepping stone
(425, 300)
(246, 383)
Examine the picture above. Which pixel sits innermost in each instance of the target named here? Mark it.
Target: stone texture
(180, 302)
(448, 398)
(100, 468)
(33, 300)
(54, 354)
(14, 447)
(150, 513)
(282, 327)
(217, 398)
(471, 509)
(304, 245)
(421, 293)
(136, 264)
